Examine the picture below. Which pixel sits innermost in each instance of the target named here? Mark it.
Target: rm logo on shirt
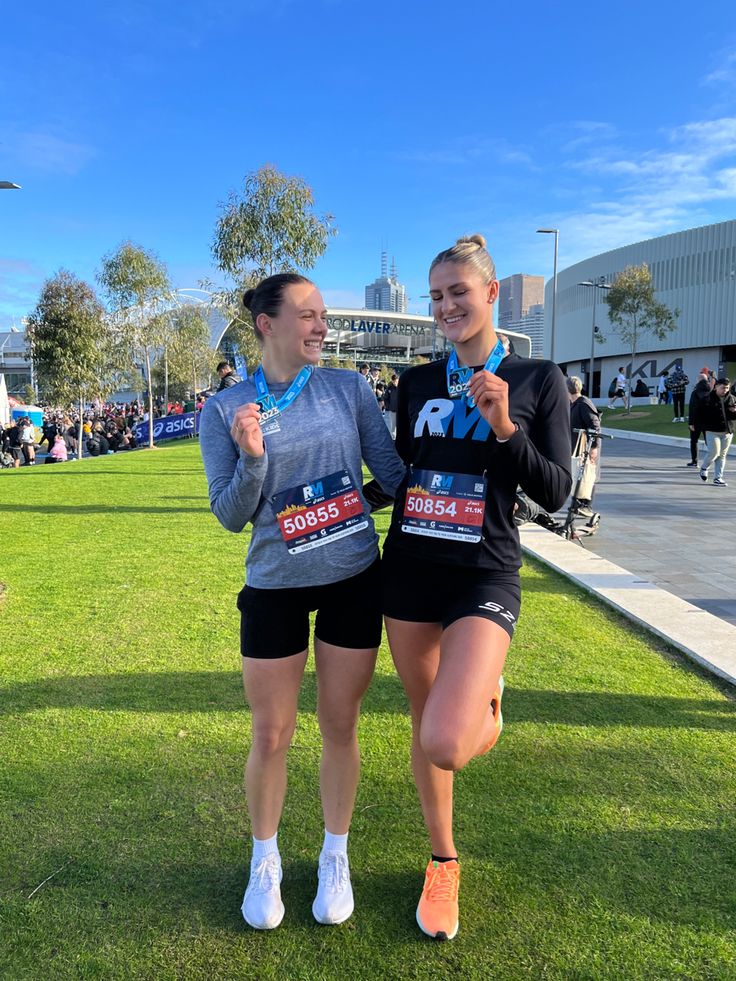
(437, 416)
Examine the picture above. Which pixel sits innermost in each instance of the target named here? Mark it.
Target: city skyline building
(517, 294)
(386, 292)
(532, 324)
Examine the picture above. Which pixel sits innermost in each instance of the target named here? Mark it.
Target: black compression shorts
(275, 622)
(433, 592)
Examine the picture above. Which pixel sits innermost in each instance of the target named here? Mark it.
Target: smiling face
(294, 337)
(462, 304)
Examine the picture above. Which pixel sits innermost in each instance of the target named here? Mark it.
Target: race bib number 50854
(444, 505)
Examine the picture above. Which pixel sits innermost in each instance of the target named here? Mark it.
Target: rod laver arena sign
(369, 326)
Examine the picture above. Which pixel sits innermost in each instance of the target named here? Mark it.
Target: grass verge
(597, 841)
(655, 419)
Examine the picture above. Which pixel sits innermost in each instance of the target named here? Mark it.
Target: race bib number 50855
(315, 514)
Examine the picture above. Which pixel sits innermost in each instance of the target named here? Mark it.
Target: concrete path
(663, 523)
(665, 554)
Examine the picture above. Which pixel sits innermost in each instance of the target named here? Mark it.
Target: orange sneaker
(497, 716)
(437, 912)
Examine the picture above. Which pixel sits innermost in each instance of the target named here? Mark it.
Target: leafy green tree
(190, 358)
(71, 344)
(136, 284)
(271, 227)
(29, 394)
(634, 310)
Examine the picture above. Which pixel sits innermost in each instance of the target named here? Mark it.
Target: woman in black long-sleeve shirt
(471, 429)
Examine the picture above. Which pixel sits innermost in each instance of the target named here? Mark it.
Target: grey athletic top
(332, 426)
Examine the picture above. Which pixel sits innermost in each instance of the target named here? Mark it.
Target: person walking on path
(702, 389)
(619, 389)
(676, 384)
(471, 429)
(583, 416)
(715, 416)
(391, 402)
(284, 452)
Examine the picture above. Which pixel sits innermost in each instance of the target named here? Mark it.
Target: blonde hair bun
(476, 239)
(470, 250)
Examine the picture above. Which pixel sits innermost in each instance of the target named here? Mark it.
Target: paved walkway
(666, 552)
(663, 523)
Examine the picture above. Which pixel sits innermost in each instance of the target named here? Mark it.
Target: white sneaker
(262, 907)
(334, 901)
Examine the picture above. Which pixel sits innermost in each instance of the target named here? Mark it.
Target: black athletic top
(436, 433)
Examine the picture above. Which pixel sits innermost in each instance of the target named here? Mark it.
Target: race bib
(315, 514)
(445, 505)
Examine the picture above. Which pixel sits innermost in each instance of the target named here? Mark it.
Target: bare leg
(450, 678)
(415, 648)
(272, 689)
(457, 722)
(343, 675)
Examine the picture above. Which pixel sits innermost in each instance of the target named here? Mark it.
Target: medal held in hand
(458, 376)
(271, 409)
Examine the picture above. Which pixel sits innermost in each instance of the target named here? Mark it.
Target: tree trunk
(631, 373)
(80, 440)
(166, 381)
(150, 399)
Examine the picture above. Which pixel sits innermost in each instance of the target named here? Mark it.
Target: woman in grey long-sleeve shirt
(284, 452)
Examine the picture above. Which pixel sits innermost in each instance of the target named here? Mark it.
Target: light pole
(556, 233)
(598, 284)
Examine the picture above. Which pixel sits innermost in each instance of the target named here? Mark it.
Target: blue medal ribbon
(458, 378)
(266, 400)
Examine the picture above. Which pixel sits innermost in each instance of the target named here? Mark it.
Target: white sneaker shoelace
(334, 872)
(334, 901)
(265, 876)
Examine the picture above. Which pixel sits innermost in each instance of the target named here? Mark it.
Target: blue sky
(413, 122)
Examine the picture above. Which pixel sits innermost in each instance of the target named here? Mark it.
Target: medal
(271, 408)
(458, 377)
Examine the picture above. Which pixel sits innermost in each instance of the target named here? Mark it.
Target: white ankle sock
(335, 843)
(263, 846)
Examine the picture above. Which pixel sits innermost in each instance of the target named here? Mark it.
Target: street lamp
(599, 284)
(556, 233)
(9, 186)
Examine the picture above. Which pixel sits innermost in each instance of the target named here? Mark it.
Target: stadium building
(382, 337)
(693, 271)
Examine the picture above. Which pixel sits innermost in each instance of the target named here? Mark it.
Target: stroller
(585, 473)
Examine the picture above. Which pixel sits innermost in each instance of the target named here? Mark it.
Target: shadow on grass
(174, 691)
(201, 691)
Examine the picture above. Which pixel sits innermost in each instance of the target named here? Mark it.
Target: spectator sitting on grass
(57, 453)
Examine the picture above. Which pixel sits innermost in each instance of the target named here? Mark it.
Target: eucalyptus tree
(71, 343)
(634, 310)
(271, 226)
(136, 284)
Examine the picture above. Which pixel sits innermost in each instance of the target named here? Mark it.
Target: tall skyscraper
(517, 295)
(386, 292)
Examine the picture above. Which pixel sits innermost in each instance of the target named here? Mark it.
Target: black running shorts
(434, 592)
(275, 622)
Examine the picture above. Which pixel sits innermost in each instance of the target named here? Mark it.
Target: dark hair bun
(248, 298)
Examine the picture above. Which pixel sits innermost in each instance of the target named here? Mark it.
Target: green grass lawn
(646, 419)
(598, 840)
